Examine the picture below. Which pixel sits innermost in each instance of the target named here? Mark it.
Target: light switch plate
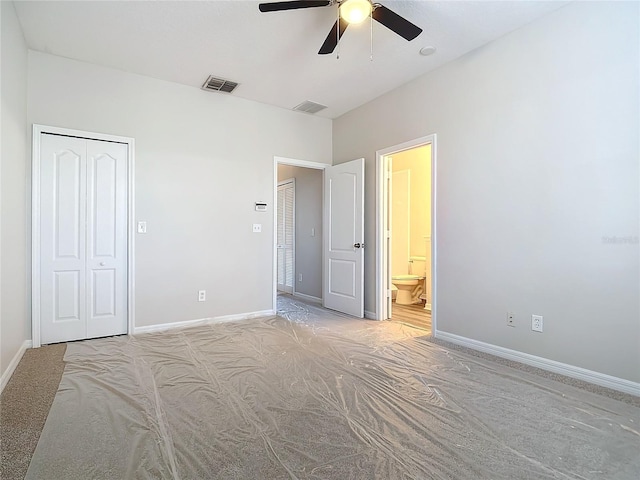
(142, 227)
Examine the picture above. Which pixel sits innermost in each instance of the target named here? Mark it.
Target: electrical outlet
(202, 295)
(511, 319)
(536, 323)
(257, 227)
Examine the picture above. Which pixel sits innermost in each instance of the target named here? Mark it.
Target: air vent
(309, 107)
(219, 85)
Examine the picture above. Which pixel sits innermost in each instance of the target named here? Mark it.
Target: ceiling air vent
(309, 107)
(219, 84)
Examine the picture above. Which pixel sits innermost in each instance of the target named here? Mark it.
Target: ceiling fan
(350, 11)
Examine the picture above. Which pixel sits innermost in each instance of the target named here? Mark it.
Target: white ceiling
(273, 56)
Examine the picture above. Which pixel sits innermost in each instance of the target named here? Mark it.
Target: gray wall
(538, 136)
(202, 160)
(308, 255)
(15, 326)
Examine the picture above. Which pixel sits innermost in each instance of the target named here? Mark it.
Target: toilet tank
(418, 266)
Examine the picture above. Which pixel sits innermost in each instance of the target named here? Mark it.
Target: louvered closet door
(285, 237)
(83, 243)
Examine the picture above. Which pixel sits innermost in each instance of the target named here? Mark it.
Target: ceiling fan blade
(396, 23)
(331, 42)
(292, 5)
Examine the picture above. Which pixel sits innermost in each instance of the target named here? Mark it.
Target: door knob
(358, 245)
(102, 264)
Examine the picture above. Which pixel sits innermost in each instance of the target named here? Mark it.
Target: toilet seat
(408, 289)
(406, 279)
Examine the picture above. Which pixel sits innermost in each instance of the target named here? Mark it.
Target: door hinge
(388, 293)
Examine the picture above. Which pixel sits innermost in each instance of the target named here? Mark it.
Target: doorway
(298, 229)
(333, 222)
(405, 224)
(81, 235)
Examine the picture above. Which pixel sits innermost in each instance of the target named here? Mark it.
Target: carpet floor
(24, 406)
(309, 394)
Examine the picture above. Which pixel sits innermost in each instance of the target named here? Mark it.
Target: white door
(343, 270)
(83, 241)
(285, 236)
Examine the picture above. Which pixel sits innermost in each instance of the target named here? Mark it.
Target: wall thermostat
(261, 206)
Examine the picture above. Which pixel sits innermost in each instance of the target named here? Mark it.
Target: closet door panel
(62, 238)
(106, 238)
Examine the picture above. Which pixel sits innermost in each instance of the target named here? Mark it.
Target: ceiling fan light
(355, 11)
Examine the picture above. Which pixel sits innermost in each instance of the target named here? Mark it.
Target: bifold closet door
(83, 239)
(285, 237)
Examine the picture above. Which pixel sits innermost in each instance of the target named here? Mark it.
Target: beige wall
(537, 169)
(418, 162)
(308, 256)
(400, 206)
(15, 326)
(202, 160)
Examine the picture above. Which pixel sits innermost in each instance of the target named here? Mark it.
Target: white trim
(131, 238)
(370, 315)
(296, 163)
(309, 298)
(381, 212)
(38, 130)
(202, 321)
(590, 376)
(6, 375)
(299, 163)
(35, 236)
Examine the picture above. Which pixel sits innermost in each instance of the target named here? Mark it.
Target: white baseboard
(590, 376)
(202, 321)
(309, 298)
(370, 315)
(6, 375)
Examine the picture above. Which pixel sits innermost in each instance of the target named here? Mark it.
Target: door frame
(296, 163)
(382, 254)
(38, 130)
(292, 181)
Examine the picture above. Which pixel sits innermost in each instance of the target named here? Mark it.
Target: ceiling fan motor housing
(378, 12)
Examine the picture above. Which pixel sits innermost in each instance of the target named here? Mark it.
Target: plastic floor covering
(318, 396)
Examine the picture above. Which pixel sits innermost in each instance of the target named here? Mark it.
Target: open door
(343, 268)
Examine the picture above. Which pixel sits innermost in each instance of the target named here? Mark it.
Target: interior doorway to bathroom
(406, 233)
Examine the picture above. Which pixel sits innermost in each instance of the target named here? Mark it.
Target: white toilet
(409, 288)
